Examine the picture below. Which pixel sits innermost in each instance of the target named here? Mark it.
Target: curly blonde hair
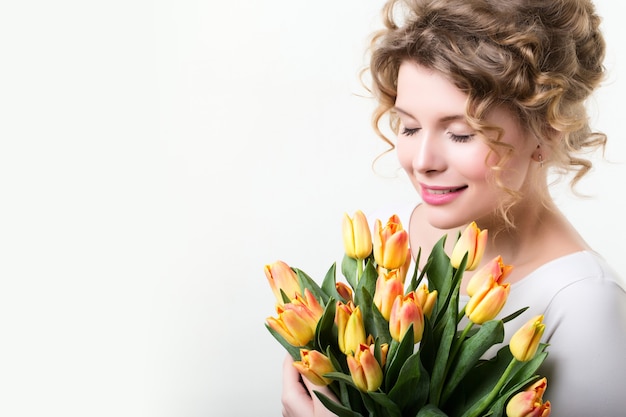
(541, 59)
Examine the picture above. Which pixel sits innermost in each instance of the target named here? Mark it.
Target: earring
(540, 160)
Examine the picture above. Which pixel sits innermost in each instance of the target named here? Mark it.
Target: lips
(443, 190)
(437, 195)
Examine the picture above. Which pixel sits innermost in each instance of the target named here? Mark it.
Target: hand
(298, 398)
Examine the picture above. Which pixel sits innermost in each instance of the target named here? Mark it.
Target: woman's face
(446, 161)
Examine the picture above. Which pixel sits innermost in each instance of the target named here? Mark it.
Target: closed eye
(460, 138)
(410, 132)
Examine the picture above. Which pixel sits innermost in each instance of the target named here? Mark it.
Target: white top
(584, 308)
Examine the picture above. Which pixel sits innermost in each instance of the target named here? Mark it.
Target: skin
(436, 147)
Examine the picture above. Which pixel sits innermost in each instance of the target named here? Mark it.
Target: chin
(441, 219)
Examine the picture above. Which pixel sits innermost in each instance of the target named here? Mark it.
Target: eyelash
(455, 138)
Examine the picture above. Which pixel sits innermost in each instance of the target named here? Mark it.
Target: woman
(485, 97)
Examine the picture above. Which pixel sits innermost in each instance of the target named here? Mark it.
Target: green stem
(359, 269)
(495, 391)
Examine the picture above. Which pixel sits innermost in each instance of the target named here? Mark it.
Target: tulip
(390, 243)
(344, 290)
(313, 366)
(357, 238)
(406, 310)
(388, 287)
(426, 299)
(297, 320)
(525, 341)
(487, 302)
(350, 328)
(365, 370)
(494, 268)
(529, 403)
(473, 242)
(282, 277)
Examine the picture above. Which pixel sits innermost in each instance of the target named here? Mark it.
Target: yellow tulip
(281, 277)
(313, 365)
(357, 238)
(525, 341)
(296, 321)
(390, 243)
(406, 310)
(487, 302)
(350, 328)
(365, 370)
(494, 268)
(388, 287)
(426, 298)
(529, 403)
(473, 242)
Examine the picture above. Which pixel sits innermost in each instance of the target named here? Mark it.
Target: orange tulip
(473, 242)
(297, 320)
(365, 370)
(494, 268)
(426, 298)
(390, 243)
(350, 328)
(406, 310)
(529, 403)
(281, 277)
(313, 366)
(487, 302)
(357, 238)
(344, 290)
(388, 287)
(525, 341)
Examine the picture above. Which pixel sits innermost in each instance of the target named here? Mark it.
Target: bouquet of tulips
(387, 343)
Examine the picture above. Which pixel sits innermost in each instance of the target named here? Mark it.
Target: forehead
(424, 91)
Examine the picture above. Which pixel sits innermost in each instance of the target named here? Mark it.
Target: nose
(429, 155)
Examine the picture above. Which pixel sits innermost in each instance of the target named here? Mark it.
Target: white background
(155, 155)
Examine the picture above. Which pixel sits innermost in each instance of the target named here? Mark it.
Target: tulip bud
(525, 341)
(297, 320)
(357, 238)
(365, 370)
(313, 366)
(350, 328)
(473, 242)
(426, 299)
(281, 277)
(344, 290)
(388, 287)
(487, 302)
(390, 243)
(406, 310)
(494, 268)
(529, 403)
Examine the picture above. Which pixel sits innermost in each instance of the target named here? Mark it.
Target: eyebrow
(443, 119)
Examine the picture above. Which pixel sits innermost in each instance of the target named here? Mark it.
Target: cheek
(405, 153)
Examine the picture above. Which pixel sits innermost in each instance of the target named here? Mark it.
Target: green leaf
(411, 388)
(336, 408)
(348, 269)
(294, 351)
(329, 283)
(431, 411)
(469, 354)
(441, 361)
(514, 315)
(380, 326)
(389, 408)
(398, 354)
(416, 278)
(326, 331)
(307, 282)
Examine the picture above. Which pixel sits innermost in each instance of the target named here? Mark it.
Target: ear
(537, 154)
